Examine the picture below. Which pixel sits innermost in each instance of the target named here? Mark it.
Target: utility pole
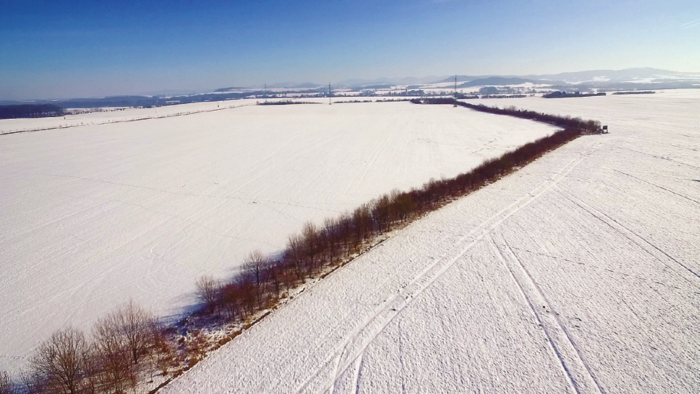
(329, 93)
(455, 96)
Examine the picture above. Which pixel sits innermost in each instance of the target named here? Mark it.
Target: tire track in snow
(372, 161)
(660, 187)
(577, 371)
(357, 373)
(223, 197)
(364, 334)
(625, 231)
(661, 157)
(554, 177)
(335, 374)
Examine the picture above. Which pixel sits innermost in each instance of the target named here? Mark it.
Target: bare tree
(255, 265)
(208, 291)
(274, 278)
(294, 254)
(248, 295)
(164, 352)
(330, 228)
(309, 235)
(122, 339)
(114, 360)
(132, 327)
(6, 386)
(92, 371)
(137, 326)
(230, 299)
(32, 382)
(60, 361)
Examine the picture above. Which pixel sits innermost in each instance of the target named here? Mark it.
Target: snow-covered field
(114, 115)
(97, 214)
(579, 273)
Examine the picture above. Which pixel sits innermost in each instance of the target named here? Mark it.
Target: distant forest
(636, 92)
(29, 111)
(575, 94)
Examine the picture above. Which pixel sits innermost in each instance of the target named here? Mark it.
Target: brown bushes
(566, 122)
(126, 345)
(207, 291)
(122, 341)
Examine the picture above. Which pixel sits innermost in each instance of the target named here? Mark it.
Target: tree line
(561, 94)
(566, 122)
(286, 102)
(30, 111)
(635, 92)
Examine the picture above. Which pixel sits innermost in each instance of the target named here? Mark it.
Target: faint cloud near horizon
(688, 25)
(72, 33)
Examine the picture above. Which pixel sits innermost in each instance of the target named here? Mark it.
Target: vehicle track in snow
(578, 372)
(632, 236)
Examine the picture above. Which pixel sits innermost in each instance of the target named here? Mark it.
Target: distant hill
(306, 85)
(358, 83)
(495, 81)
(640, 78)
(167, 92)
(599, 78)
(460, 78)
(626, 75)
(228, 89)
(295, 85)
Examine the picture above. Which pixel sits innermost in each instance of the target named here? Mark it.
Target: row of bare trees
(566, 122)
(317, 250)
(125, 347)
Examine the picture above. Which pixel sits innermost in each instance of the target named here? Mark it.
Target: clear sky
(61, 49)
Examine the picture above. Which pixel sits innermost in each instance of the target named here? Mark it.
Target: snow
(114, 115)
(95, 215)
(578, 273)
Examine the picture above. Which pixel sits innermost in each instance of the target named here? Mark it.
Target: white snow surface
(95, 215)
(578, 273)
(116, 115)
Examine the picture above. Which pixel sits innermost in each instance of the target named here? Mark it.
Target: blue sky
(60, 49)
